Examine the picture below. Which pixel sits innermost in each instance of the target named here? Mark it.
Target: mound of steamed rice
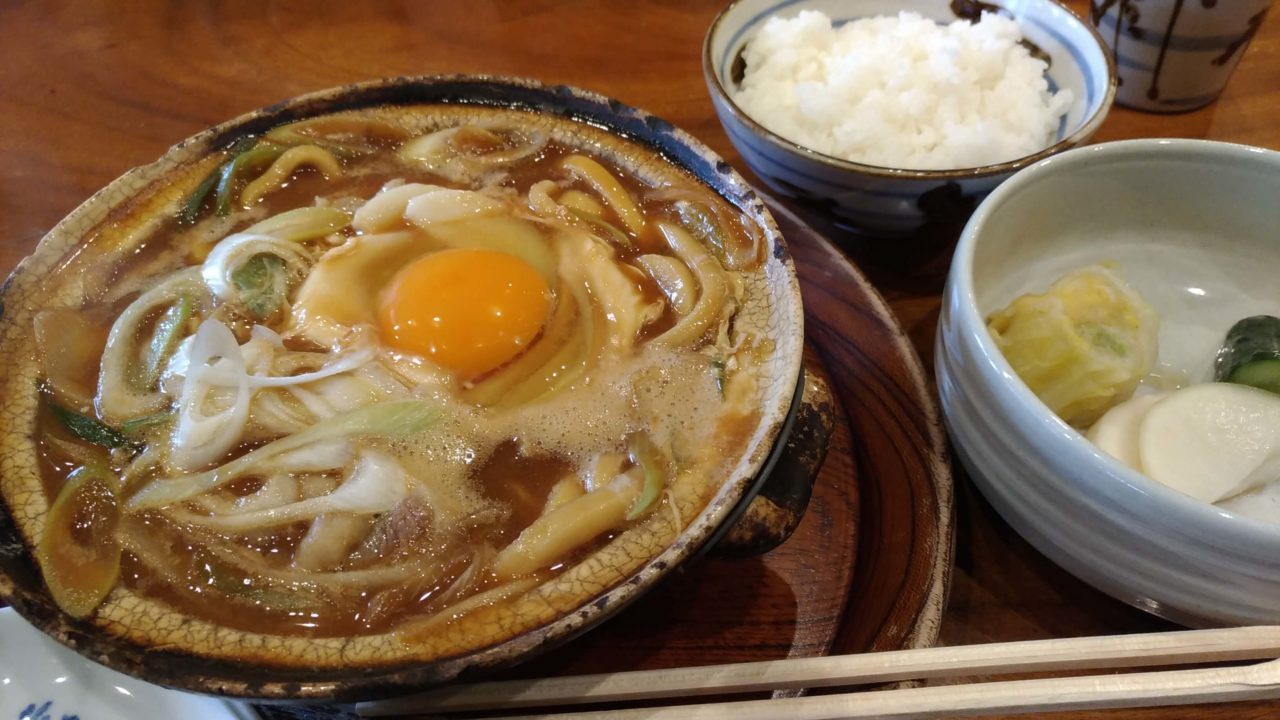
(901, 92)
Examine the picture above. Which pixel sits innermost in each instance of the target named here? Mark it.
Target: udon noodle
(374, 376)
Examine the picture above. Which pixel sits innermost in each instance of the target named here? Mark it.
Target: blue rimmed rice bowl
(894, 201)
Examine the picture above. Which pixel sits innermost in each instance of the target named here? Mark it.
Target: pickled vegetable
(1212, 441)
(1250, 354)
(1116, 433)
(1082, 346)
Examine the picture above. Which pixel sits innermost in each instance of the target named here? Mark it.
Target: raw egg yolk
(470, 310)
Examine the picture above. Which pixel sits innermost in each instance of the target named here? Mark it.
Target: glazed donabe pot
(219, 673)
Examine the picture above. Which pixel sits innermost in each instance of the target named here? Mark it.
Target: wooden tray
(897, 456)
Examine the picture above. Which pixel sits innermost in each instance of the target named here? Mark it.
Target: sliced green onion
(164, 340)
(302, 224)
(78, 552)
(262, 284)
(229, 580)
(657, 472)
(89, 429)
(194, 203)
(137, 426)
(233, 171)
(718, 367)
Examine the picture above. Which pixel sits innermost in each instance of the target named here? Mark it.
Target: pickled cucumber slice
(1250, 354)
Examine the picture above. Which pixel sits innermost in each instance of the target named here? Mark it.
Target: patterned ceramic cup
(1175, 55)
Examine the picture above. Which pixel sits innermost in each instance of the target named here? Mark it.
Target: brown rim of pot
(1090, 126)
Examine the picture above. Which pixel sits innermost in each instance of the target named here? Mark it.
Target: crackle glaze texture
(143, 636)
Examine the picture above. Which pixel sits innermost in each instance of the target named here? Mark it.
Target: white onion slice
(345, 362)
(314, 403)
(267, 335)
(316, 457)
(199, 439)
(277, 491)
(377, 484)
(117, 398)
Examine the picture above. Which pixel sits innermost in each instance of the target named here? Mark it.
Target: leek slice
(164, 339)
(262, 284)
(89, 429)
(302, 224)
(78, 551)
(376, 485)
(238, 269)
(603, 182)
(194, 204)
(140, 426)
(606, 228)
(703, 226)
(673, 278)
(711, 227)
(199, 437)
(569, 526)
(398, 419)
(233, 171)
(118, 398)
(715, 301)
(657, 471)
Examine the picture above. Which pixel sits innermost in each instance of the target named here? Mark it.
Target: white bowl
(1193, 225)
(888, 200)
(41, 679)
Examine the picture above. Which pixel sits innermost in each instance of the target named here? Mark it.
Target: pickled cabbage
(1083, 345)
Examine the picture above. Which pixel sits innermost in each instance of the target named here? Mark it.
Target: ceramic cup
(1175, 55)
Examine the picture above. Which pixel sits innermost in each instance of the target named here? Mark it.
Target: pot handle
(776, 511)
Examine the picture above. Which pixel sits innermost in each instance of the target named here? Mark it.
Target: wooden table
(90, 89)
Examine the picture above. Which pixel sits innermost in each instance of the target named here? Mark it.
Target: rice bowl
(902, 91)
(892, 201)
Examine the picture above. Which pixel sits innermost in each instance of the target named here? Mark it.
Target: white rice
(901, 92)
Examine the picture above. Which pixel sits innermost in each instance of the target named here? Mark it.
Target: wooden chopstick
(1170, 687)
(1153, 649)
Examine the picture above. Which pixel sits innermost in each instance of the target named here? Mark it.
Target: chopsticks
(1040, 695)
(1020, 696)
